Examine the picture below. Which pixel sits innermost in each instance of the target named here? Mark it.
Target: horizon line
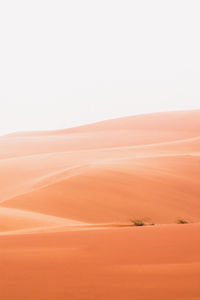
(95, 122)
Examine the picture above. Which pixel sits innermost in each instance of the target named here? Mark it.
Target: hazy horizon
(65, 64)
(97, 121)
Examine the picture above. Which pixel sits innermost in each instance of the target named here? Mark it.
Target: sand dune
(64, 195)
(105, 184)
(114, 192)
(137, 130)
(185, 121)
(34, 169)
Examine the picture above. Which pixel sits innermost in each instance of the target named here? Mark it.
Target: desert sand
(67, 198)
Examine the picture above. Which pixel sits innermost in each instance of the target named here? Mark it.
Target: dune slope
(96, 173)
(114, 192)
(66, 200)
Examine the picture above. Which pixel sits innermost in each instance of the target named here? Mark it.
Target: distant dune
(64, 195)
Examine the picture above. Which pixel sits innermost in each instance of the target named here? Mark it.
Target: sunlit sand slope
(136, 167)
(161, 189)
(20, 221)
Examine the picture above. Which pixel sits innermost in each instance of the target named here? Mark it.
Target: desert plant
(181, 221)
(137, 222)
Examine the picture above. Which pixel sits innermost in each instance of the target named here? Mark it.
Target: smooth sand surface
(158, 262)
(67, 197)
(161, 189)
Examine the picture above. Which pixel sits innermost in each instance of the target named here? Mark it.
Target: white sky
(65, 63)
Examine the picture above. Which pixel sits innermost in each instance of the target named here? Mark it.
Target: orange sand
(63, 195)
(160, 262)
